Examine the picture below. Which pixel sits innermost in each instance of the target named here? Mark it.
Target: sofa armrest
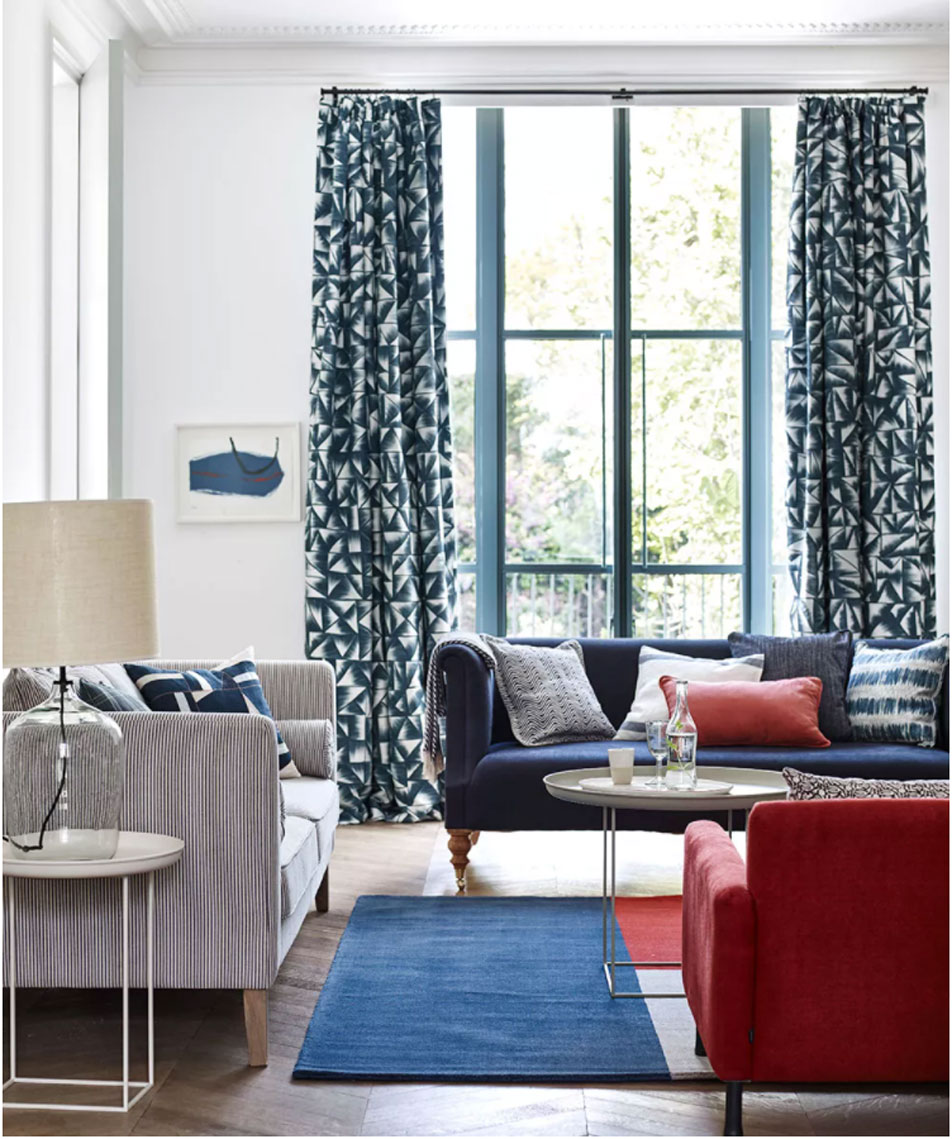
(312, 745)
(210, 779)
(718, 948)
(469, 701)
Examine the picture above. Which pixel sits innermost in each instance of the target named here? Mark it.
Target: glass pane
(558, 497)
(461, 366)
(558, 217)
(558, 605)
(693, 451)
(685, 217)
(782, 601)
(778, 453)
(685, 605)
(466, 605)
(459, 216)
(783, 141)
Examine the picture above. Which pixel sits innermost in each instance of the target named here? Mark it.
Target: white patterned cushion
(893, 694)
(649, 702)
(804, 786)
(549, 698)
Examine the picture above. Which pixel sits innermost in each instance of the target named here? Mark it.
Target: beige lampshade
(78, 582)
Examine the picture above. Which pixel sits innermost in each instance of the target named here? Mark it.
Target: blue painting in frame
(239, 472)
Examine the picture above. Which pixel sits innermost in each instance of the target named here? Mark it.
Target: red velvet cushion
(769, 713)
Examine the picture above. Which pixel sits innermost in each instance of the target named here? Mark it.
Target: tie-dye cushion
(893, 694)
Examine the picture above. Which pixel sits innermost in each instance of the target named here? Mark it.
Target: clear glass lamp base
(62, 781)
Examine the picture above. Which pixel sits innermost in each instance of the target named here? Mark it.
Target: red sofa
(824, 958)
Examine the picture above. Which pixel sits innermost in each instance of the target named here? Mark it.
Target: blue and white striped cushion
(233, 687)
(892, 693)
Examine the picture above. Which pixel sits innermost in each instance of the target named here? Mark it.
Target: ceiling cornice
(169, 23)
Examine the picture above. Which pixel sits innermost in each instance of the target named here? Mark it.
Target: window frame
(491, 570)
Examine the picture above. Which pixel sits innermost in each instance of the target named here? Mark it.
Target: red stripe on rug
(651, 927)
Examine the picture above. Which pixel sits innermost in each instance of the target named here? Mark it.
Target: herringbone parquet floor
(205, 1087)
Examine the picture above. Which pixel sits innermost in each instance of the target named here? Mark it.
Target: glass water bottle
(682, 744)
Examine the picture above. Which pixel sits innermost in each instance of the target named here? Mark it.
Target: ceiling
(249, 22)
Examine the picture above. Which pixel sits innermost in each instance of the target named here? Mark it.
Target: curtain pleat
(380, 541)
(861, 485)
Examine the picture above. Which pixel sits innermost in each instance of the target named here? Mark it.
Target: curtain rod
(622, 93)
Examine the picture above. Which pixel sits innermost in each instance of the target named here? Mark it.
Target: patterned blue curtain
(381, 557)
(860, 491)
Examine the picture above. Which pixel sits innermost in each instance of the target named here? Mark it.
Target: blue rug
(478, 989)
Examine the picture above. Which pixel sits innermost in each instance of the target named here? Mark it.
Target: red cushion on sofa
(769, 713)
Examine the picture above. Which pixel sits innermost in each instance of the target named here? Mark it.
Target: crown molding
(865, 31)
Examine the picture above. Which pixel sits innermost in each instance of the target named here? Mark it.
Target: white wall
(27, 89)
(218, 206)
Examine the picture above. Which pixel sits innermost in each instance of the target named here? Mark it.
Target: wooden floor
(205, 1088)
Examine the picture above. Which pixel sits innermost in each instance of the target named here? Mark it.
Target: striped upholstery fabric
(313, 746)
(209, 780)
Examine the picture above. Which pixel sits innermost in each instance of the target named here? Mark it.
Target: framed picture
(239, 472)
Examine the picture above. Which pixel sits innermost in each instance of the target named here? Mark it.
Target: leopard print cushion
(804, 786)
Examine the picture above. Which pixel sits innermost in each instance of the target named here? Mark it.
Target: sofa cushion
(300, 861)
(649, 702)
(893, 693)
(506, 791)
(318, 801)
(805, 786)
(547, 694)
(826, 655)
(24, 688)
(770, 713)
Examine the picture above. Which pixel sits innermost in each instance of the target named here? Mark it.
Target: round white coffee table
(137, 853)
(748, 787)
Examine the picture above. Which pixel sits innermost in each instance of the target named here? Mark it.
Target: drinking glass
(656, 733)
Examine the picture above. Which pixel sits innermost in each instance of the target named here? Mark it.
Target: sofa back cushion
(612, 667)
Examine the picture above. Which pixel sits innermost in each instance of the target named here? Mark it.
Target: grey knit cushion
(549, 698)
(826, 655)
(804, 786)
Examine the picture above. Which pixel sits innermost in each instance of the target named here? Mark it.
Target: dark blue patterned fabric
(234, 687)
(381, 555)
(861, 485)
(105, 697)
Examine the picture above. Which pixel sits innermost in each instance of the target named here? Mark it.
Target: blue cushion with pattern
(234, 687)
(893, 693)
(105, 698)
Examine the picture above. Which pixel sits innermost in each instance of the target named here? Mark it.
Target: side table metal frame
(609, 897)
(125, 1083)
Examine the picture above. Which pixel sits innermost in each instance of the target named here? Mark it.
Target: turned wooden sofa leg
(256, 1026)
(323, 895)
(460, 843)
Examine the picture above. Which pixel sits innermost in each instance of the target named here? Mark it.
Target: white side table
(137, 853)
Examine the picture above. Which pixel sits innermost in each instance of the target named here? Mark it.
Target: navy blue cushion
(506, 790)
(232, 688)
(105, 697)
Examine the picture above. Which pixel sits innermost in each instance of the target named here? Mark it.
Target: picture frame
(238, 472)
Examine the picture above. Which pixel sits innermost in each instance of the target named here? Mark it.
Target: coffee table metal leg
(609, 896)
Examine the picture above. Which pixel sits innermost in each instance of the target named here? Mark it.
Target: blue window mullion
(622, 371)
(490, 394)
(755, 290)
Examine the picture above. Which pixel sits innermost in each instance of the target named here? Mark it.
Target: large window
(605, 490)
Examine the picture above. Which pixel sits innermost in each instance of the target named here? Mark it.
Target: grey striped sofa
(227, 914)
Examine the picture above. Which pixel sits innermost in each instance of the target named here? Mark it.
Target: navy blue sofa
(493, 783)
